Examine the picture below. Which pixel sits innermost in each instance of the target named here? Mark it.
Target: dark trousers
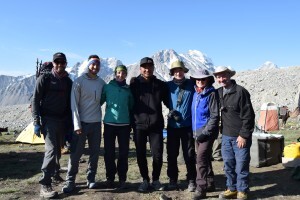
(92, 133)
(205, 174)
(122, 133)
(53, 131)
(185, 135)
(156, 146)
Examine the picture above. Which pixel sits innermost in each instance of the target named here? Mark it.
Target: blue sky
(241, 34)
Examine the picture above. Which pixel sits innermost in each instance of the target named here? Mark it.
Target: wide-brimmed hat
(178, 64)
(202, 73)
(221, 69)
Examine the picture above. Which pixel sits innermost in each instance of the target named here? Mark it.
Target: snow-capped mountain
(268, 65)
(18, 90)
(193, 60)
(106, 72)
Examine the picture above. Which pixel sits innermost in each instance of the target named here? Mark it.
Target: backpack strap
(47, 78)
(220, 92)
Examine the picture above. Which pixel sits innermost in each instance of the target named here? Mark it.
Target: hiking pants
(156, 146)
(205, 174)
(185, 135)
(91, 132)
(122, 133)
(53, 130)
(236, 163)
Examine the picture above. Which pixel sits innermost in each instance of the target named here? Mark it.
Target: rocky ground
(15, 117)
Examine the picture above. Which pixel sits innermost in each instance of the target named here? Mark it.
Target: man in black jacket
(149, 92)
(237, 125)
(51, 111)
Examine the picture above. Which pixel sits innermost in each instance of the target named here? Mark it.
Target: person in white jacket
(86, 112)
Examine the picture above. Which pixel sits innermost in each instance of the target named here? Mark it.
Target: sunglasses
(60, 62)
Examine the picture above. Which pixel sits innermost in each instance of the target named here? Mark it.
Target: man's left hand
(241, 142)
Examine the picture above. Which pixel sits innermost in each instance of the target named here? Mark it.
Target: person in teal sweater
(119, 105)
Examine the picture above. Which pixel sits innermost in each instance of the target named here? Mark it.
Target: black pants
(185, 135)
(122, 133)
(205, 173)
(156, 145)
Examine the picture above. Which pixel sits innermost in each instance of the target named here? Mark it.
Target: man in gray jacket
(86, 111)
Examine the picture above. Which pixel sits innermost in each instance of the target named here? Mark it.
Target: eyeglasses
(60, 62)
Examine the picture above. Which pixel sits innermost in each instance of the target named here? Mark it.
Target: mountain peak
(16, 92)
(268, 65)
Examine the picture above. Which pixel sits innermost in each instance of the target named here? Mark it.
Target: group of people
(197, 113)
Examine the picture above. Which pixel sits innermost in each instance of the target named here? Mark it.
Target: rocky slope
(278, 85)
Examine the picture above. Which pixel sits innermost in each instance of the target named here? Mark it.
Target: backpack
(43, 68)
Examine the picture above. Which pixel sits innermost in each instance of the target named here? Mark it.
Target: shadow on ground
(274, 183)
(20, 165)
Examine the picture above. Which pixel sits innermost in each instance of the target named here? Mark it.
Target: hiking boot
(242, 195)
(109, 184)
(199, 195)
(68, 187)
(191, 186)
(91, 185)
(172, 185)
(144, 186)
(122, 185)
(47, 192)
(156, 185)
(227, 194)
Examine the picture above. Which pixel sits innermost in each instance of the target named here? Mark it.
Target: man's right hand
(78, 132)
(37, 130)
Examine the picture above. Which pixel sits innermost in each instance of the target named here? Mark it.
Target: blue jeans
(236, 163)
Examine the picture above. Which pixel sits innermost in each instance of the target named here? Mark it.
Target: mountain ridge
(267, 83)
(278, 85)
